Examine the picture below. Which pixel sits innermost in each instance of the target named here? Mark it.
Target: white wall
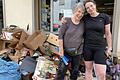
(116, 29)
(19, 12)
(118, 41)
(118, 14)
(118, 47)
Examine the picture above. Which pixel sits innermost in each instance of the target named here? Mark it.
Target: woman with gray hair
(70, 43)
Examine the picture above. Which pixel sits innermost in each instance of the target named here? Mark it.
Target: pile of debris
(28, 51)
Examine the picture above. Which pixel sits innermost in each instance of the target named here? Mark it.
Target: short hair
(77, 6)
(89, 1)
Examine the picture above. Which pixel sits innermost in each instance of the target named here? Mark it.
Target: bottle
(65, 60)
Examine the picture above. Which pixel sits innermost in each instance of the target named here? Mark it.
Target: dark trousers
(62, 68)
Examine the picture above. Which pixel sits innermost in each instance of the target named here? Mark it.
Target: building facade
(46, 14)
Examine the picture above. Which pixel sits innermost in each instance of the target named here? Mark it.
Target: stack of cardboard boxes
(24, 44)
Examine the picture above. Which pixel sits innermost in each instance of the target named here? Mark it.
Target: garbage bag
(9, 70)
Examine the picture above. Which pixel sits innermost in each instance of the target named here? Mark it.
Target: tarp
(9, 70)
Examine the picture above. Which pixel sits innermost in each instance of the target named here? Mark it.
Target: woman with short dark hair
(96, 25)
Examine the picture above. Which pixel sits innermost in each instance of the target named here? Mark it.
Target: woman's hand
(61, 54)
(108, 52)
(63, 21)
(109, 40)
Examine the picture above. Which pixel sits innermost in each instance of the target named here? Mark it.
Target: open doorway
(106, 6)
(1, 16)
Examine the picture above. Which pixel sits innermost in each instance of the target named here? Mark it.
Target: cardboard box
(4, 44)
(1, 44)
(21, 36)
(53, 39)
(35, 40)
(24, 52)
(15, 58)
(17, 34)
(54, 49)
(13, 44)
(4, 51)
(42, 50)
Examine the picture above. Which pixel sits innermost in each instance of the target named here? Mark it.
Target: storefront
(51, 11)
(45, 15)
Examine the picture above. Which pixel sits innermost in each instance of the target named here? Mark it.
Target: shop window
(45, 15)
(61, 2)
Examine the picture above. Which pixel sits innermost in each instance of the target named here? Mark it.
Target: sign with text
(67, 13)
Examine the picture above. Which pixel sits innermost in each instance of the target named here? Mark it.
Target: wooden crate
(53, 39)
(4, 44)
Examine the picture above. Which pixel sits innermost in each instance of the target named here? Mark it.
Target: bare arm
(61, 37)
(61, 50)
(108, 38)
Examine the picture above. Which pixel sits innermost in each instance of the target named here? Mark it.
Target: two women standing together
(92, 28)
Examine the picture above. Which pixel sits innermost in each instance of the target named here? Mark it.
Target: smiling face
(90, 7)
(78, 14)
(78, 11)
